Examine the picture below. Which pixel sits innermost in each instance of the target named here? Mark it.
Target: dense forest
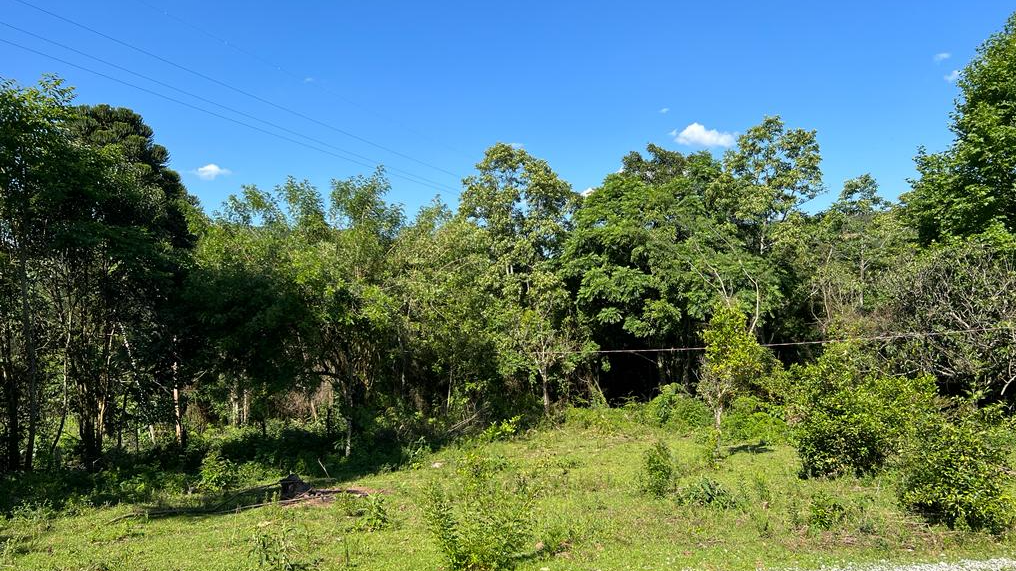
(133, 322)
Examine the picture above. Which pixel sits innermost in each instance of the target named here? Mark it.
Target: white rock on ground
(997, 564)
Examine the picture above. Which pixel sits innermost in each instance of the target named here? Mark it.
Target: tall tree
(971, 186)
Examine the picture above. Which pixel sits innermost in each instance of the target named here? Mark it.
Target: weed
(825, 511)
(483, 528)
(707, 492)
(657, 475)
(272, 550)
(376, 516)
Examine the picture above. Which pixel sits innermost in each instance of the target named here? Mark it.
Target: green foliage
(272, 549)
(376, 515)
(504, 430)
(485, 526)
(753, 419)
(656, 477)
(971, 186)
(957, 471)
(733, 361)
(707, 492)
(217, 473)
(825, 511)
(676, 409)
(851, 423)
(967, 285)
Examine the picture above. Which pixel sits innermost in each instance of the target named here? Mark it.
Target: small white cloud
(697, 134)
(517, 145)
(309, 79)
(941, 56)
(587, 191)
(665, 110)
(953, 76)
(211, 171)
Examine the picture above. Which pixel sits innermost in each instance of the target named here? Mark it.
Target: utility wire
(298, 77)
(433, 183)
(235, 89)
(206, 111)
(886, 337)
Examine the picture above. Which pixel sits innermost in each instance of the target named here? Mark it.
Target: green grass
(588, 515)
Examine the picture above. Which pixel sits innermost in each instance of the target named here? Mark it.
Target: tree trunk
(181, 433)
(546, 391)
(28, 333)
(717, 417)
(13, 398)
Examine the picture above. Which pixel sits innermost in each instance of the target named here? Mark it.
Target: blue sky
(425, 87)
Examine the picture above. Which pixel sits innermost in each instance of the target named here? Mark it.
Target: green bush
(217, 473)
(676, 409)
(851, 423)
(956, 472)
(504, 430)
(484, 527)
(376, 515)
(657, 475)
(825, 511)
(707, 492)
(751, 419)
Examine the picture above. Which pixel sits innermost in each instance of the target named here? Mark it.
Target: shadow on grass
(760, 448)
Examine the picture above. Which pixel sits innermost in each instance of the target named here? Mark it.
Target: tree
(766, 178)
(847, 251)
(971, 186)
(37, 161)
(733, 360)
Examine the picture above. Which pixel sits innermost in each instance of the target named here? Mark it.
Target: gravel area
(997, 564)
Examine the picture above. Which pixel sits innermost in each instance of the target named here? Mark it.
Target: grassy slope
(586, 473)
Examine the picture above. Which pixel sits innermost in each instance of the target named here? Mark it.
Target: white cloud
(211, 171)
(941, 56)
(953, 76)
(697, 134)
(309, 79)
(665, 110)
(587, 191)
(517, 145)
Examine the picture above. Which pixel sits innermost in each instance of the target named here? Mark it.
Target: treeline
(129, 317)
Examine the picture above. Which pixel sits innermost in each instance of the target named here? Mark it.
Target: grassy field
(588, 514)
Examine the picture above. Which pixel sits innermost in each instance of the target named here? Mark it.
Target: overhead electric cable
(212, 102)
(299, 77)
(203, 110)
(235, 89)
(886, 337)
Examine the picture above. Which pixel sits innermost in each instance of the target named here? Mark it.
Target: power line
(235, 89)
(298, 77)
(206, 111)
(886, 337)
(432, 183)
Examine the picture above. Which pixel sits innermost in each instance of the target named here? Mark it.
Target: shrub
(850, 423)
(825, 511)
(657, 475)
(217, 473)
(376, 516)
(485, 526)
(956, 472)
(751, 419)
(271, 550)
(504, 430)
(675, 408)
(707, 492)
